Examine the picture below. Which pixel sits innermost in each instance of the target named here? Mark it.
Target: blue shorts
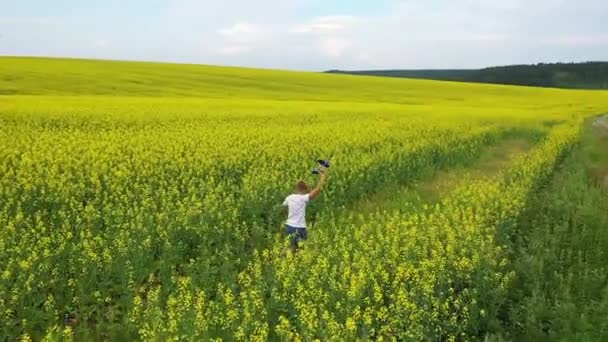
(296, 235)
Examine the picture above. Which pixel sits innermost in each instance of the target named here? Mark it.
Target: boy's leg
(292, 233)
(303, 234)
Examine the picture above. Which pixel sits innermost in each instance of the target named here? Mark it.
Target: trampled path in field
(431, 188)
(436, 183)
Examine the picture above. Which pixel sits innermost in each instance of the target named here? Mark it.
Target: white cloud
(332, 36)
(242, 37)
(242, 31)
(335, 46)
(101, 43)
(233, 50)
(364, 57)
(325, 25)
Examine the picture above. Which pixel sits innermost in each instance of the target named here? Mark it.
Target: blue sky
(310, 34)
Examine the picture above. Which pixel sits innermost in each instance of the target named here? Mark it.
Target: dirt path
(600, 126)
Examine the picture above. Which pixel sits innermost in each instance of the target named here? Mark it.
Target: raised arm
(316, 191)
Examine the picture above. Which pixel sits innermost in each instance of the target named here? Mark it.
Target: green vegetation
(141, 201)
(560, 250)
(591, 75)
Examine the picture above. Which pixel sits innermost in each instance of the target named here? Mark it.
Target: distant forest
(590, 75)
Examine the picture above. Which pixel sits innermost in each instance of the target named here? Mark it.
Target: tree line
(588, 75)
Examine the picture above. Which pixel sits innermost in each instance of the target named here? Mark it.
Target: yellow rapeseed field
(142, 201)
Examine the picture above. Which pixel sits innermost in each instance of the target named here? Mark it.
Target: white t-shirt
(297, 210)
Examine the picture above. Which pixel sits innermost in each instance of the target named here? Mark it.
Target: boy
(296, 210)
